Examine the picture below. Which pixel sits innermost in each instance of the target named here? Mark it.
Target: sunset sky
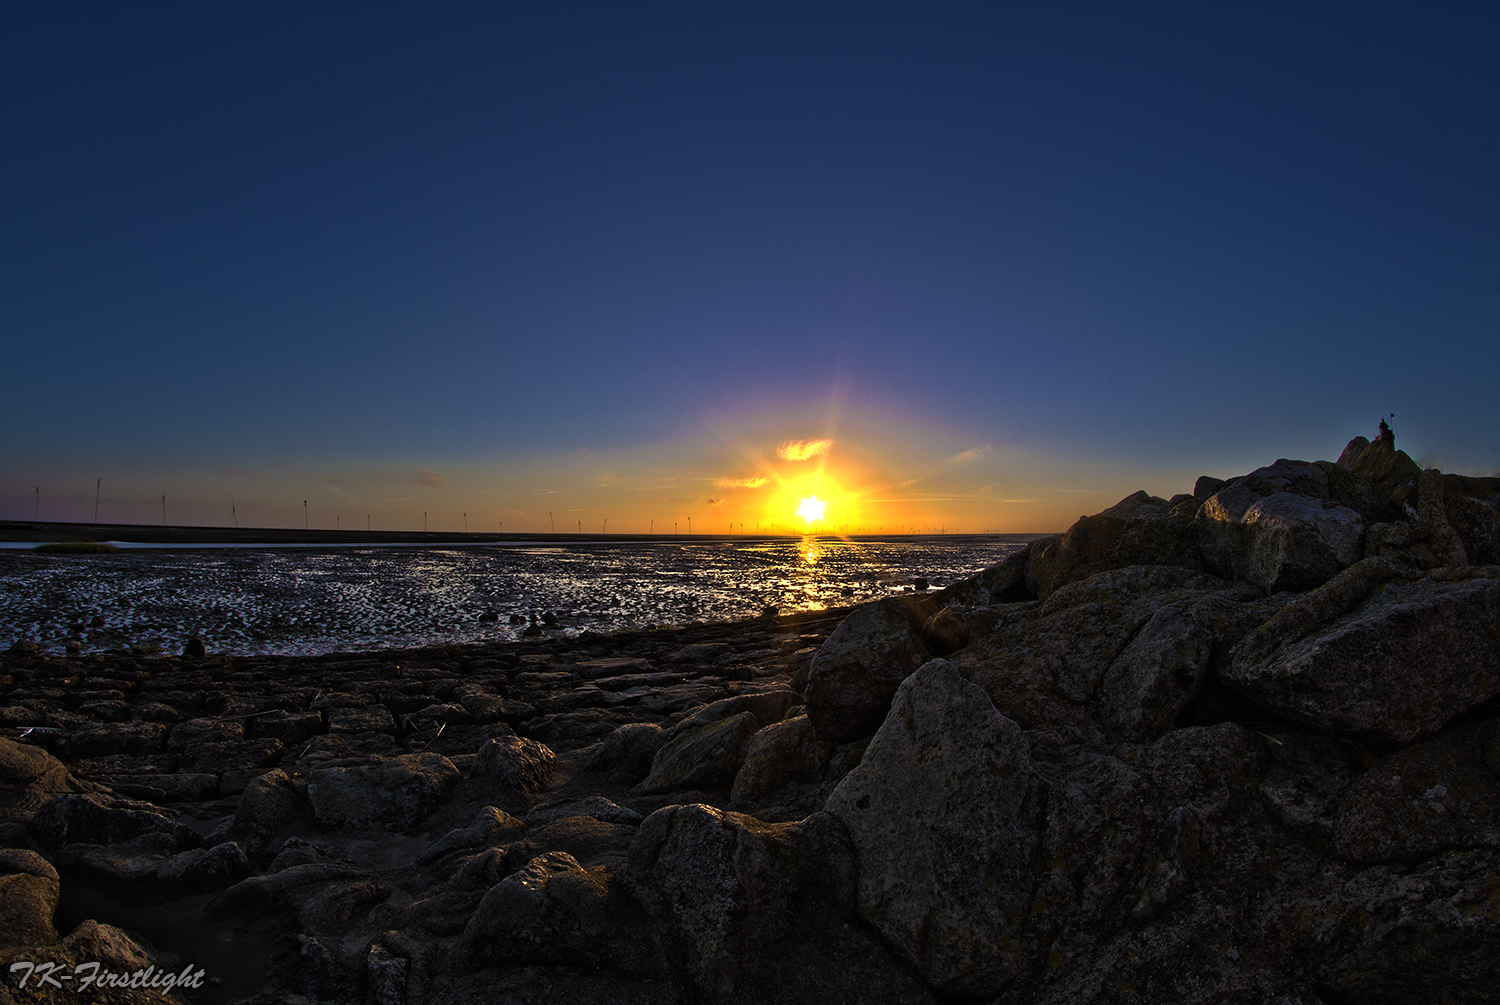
(981, 267)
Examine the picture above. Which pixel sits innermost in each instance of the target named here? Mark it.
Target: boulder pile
(1239, 745)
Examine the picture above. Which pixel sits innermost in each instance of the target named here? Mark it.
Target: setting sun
(811, 509)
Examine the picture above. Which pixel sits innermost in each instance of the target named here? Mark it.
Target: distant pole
(305, 524)
(424, 521)
(367, 523)
(549, 521)
(606, 525)
(690, 526)
(163, 509)
(97, 483)
(234, 513)
(466, 522)
(580, 528)
(38, 514)
(336, 518)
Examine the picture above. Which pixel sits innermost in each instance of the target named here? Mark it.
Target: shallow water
(305, 601)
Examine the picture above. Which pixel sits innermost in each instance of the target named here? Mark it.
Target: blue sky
(1014, 261)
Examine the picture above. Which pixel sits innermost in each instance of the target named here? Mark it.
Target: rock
(1278, 528)
(1138, 506)
(492, 826)
(553, 911)
(858, 669)
(705, 756)
(1205, 486)
(999, 584)
(28, 899)
(93, 739)
(595, 807)
(370, 719)
(943, 821)
(203, 869)
(514, 763)
(625, 755)
(253, 756)
(790, 750)
(291, 728)
(1098, 543)
(1431, 797)
(95, 819)
(194, 648)
(1399, 666)
(1162, 668)
(391, 793)
(1472, 509)
(269, 807)
(29, 778)
(701, 652)
(946, 632)
(1380, 462)
(1447, 547)
(301, 965)
(1306, 777)
(1431, 933)
(759, 913)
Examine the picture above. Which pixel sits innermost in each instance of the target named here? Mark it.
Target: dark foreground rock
(1236, 745)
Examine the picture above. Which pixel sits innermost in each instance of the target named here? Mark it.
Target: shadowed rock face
(858, 669)
(1405, 662)
(944, 769)
(1239, 745)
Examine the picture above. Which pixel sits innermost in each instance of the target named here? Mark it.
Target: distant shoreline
(43, 532)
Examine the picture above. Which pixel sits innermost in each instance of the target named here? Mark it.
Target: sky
(622, 267)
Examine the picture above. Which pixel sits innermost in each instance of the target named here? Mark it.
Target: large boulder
(389, 793)
(1280, 528)
(1434, 796)
(706, 748)
(943, 820)
(1424, 934)
(999, 584)
(708, 755)
(859, 667)
(1379, 462)
(28, 898)
(72, 825)
(790, 750)
(755, 912)
(29, 778)
(1163, 667)
(553, 911)
(1044, 666)
(509, 769)
(1399, 666)
(625, 755)
(1129, 533)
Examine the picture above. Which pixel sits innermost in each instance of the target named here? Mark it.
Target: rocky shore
(1240, 745)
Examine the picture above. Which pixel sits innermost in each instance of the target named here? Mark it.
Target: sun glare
(811, 509)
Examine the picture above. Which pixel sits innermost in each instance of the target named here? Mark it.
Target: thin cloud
(740, 483)
(801, 450)
(969, 455)
(429, 478)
